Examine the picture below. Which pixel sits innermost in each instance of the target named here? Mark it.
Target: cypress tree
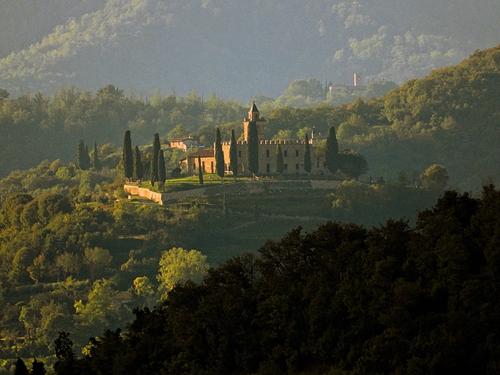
(83, 158)
(162, 172)
(332, 151)
(233, 154)
(139, 168)
(219, 155)
(96, 162)
(280, 164)
(307, 156)
(253, 148)
(80, 159)
(200, 171)
(128, 166)
(20, 368)
(86, 157)
(154, 160)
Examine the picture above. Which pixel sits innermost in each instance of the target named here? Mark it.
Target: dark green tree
(253, 148)
(64, 353)
(96, 163)
(128, 159)
(352, 164)
(20, 368)
(4, 94)
(307, 156)
(332, 151)
(200, 171)
(219, 155)
(86, 155)
(83, 159)
(154, 161)
(162, 171)
(38, 368)
(233, 154)
(280, 164)
(139, 167)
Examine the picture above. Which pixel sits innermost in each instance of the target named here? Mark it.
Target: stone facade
(190, 164)
(184, 143)
(293, 154)
(293, 158)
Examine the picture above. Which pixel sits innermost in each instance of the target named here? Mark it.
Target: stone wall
(293, 158)
(137, 191)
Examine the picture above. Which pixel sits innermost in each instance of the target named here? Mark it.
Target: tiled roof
(205, 153)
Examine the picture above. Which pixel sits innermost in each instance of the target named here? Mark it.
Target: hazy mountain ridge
(242, 49)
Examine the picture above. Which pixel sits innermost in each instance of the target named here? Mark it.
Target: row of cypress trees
(133, 166)
(83, 160)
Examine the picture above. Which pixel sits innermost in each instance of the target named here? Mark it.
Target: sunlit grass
(192, 182)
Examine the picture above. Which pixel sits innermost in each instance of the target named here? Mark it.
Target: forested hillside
(340, 300)
(77, 255)
(235, 48)
(451, 117)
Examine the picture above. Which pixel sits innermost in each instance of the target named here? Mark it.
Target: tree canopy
(342, 298)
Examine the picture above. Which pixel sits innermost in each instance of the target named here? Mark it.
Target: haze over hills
(234, 48)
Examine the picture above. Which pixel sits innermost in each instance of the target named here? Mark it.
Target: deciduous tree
(177, 266)
(352, 164)
(435, 177)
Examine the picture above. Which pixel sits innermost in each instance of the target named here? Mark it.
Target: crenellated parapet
(283, 142)
(238, 143)
(272, 142)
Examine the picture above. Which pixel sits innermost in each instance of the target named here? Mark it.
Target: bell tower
(254, 116)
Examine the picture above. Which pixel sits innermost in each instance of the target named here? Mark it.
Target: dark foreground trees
(340, 300)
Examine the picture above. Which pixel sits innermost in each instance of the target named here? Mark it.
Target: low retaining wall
(153, 196)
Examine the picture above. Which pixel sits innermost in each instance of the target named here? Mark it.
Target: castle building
(292, 150)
